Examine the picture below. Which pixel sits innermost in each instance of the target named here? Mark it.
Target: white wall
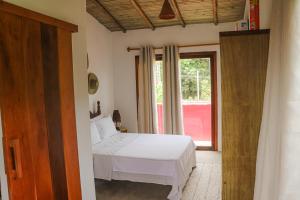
(74, 11)
(99, 48)
(125, 93)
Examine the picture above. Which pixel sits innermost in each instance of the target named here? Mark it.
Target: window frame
(214, 90)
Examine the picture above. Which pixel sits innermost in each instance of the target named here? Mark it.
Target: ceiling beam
(215, 11)
(142, 13)
(178, 13)
(113, 18)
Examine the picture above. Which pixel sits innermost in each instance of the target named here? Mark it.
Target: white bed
(149, 158)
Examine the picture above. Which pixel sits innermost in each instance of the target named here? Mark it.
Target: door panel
(37, 106)
(52, 105)
(244, 65)
(38, 134)
(68, 113)
(14, 105)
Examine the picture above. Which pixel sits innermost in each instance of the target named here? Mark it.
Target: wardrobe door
(244, 57)
(22, 108)
(37, 106)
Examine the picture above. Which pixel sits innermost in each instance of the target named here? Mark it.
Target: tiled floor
(204, 184)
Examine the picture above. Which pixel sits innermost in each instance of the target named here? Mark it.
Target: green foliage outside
(158, 81)
(195, 80)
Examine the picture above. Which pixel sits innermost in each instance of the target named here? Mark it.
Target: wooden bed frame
(97, 113)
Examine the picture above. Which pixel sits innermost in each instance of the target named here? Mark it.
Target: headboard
(97, 113)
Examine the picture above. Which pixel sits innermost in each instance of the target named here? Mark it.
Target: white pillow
(106, 127)
(95, 136)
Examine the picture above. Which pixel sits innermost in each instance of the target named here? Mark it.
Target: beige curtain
(172, 91)
(147, 115)
(278, 159)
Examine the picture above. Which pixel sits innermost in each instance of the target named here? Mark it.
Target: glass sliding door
(158, 81)
(199, 97)
(196, 87)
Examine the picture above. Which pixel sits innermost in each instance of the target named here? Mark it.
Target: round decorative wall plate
(93, 83)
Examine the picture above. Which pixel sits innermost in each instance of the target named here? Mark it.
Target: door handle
(15, 155)
(225, 191)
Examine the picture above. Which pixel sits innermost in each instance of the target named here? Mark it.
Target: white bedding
(161, 159)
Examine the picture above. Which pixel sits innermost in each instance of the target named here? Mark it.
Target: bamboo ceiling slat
(192, 11)
(95, 10)
(195, 10)
(125, 13)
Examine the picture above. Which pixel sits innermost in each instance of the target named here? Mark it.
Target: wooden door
(244, 57)
(37, 107)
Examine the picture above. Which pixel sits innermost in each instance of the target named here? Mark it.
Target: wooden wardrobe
(244, 58)
(37, 106)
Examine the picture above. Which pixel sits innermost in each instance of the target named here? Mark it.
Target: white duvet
(161, 159)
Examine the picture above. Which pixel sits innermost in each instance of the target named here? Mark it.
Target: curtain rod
(180, 46)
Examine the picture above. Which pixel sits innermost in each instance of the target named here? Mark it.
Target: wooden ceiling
(122, 15)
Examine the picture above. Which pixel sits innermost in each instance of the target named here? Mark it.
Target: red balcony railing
(196, 119)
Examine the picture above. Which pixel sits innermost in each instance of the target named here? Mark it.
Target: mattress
(150, 158)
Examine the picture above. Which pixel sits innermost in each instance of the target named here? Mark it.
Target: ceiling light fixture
(167, 11)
